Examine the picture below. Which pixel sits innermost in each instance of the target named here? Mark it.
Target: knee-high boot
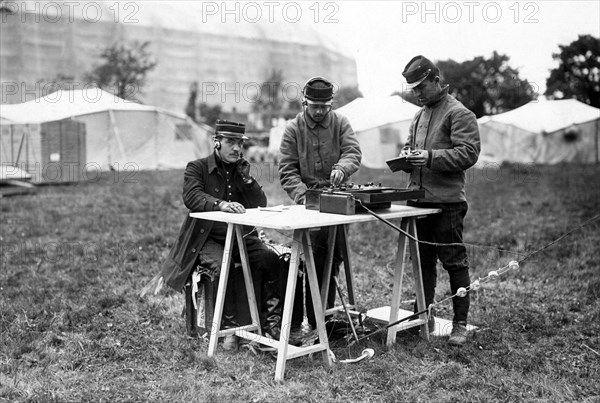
(190, 312)
(272, 307)
(298, 305)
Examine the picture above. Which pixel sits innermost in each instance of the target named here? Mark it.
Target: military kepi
(230, 129)
(417, 70)
(318, 90)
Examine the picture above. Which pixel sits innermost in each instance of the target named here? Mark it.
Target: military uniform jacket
(310, 150)
(449, 131)
(203, 188)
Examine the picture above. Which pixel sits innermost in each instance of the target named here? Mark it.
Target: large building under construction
(221, 46)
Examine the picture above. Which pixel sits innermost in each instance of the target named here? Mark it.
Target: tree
(270, 100)
(209, 114)
(124, 69)
(578, 72)
(191, 108)
(345, 95)
(486, 86)
(59, 82)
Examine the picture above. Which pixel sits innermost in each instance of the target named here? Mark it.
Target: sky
(384, 35)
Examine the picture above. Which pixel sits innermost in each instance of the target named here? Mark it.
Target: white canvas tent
(119, 134)
(542, 132)
(381, 125)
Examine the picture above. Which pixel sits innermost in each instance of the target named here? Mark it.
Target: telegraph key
(350, 199)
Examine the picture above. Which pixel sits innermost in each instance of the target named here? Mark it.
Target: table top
(298, 217)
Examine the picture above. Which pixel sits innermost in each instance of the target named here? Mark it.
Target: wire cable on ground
(475, 285)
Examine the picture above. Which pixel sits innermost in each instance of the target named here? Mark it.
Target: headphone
(217, 145)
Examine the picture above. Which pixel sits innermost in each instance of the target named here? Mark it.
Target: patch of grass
(72, 327)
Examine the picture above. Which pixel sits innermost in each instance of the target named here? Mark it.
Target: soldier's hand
(243, 169)
(418, 157)
(404, 152)
(336, 177)
(231, 207)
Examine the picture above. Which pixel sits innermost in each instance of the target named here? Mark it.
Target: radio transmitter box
(351, 199)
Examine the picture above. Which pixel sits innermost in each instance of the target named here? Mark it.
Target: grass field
(73, 328)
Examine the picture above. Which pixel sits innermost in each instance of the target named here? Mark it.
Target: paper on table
(279, 208)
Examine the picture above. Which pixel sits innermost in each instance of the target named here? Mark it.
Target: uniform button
(229, 186)
(202, 231)
(216, 189)
(194, 250)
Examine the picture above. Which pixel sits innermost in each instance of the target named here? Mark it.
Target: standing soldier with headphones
(318, 149)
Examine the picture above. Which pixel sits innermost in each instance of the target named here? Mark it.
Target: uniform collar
(216, 163)
(442, 94)
(324, 123)
(212, 161)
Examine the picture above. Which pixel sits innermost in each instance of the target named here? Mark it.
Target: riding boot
(190, 312)
(272, 308)
(298, 304)
(229, 309)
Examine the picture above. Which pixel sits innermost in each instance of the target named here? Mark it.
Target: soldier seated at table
(222, 182)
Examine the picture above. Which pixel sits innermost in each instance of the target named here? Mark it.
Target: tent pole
(115, 128)
(596, 140)
(157, 121)
(12, 146)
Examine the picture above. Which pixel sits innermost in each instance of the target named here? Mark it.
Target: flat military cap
(318, 90)
(417, 70)
(229, 129)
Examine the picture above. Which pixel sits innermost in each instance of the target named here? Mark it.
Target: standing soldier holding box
(443, 142)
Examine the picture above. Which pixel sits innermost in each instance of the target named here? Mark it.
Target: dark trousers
(445, 227)
(320, 247)
(265, 269)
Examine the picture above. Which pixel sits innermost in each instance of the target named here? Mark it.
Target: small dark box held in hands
(398, 164)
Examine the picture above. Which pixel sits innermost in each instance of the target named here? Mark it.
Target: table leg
(416, 264)
(316, 298)
(288, 306)
(331, 235)
(223, 276)
(252, 304)
(343, 236)
(397, 288)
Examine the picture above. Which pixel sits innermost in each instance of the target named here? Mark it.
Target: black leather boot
(298, 306)
(272, 308)
(191, 313)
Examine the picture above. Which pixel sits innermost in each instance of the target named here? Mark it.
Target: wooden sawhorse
(300, 221)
